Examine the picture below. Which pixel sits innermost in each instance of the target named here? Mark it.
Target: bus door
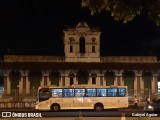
(44, 95)
(79, 98)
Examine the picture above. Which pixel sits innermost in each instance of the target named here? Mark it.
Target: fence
(142, 94)
(16, 96)
(17, 104)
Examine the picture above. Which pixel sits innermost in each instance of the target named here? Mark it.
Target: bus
(95, 97)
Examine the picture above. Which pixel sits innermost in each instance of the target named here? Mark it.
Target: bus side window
(122, 92)
(112, 92)
(90, 92)
(101, 92)
(79, 92)
(56, 92)
(68, 92)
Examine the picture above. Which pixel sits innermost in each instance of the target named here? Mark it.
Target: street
(121, 114)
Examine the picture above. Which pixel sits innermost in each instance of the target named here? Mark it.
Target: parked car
(153, 106)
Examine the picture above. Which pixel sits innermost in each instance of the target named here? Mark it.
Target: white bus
(57, 98)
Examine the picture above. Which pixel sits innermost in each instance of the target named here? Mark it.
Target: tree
(126, 10)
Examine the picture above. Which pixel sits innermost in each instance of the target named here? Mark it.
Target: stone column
(141, 84)
(90, 80)
(27, 85)
(67, 81)
(24, 84)
(48, 81)
(61, 81)
(42, 81)
(156, 83)
(116, 81)
(45, 80)
(8, 85)
(153, 81)
(75, 81)
(103, 80)
(5, 85)
(99, 80)
(21, 85)
(119, 80)
(135, 84)
(138, 82)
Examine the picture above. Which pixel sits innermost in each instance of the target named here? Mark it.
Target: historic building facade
(82, 64)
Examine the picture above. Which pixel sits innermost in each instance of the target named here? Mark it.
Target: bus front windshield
(44, 94)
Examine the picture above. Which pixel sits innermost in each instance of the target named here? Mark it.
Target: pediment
(82, 25)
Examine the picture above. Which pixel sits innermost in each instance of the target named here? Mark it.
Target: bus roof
(83, 86)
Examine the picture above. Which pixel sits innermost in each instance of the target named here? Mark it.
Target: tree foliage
(125, 10)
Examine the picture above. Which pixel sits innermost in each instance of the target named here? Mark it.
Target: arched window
(93, 49)
(147, 77)
(82, 45)
(14, 78)
(82, 77)
(109, 77)
(128, 77)
(35, 78)
(54, 78)
(71, 39)
(93, 75)
(71, 76)
(71, 48)
(93, 39)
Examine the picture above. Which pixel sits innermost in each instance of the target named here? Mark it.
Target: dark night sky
(36, 28)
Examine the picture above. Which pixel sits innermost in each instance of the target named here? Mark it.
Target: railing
(141, 96)
(17, 104)
(16, 96)
(130, 59)
(27, 58)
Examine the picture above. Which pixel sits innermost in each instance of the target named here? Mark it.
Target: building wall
(64, 79)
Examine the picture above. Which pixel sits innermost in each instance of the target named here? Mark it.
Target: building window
(82, 45)
(93, 39)
(71, 48)
(71, 39)
(93, 80)
(93, 49)
(93, 75)
(71, 75)
(71, 80)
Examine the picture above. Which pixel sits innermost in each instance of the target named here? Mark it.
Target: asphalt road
(17, 113)
(31, 114)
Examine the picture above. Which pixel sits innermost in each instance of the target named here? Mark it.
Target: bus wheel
(55, 107)
(98, 107)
